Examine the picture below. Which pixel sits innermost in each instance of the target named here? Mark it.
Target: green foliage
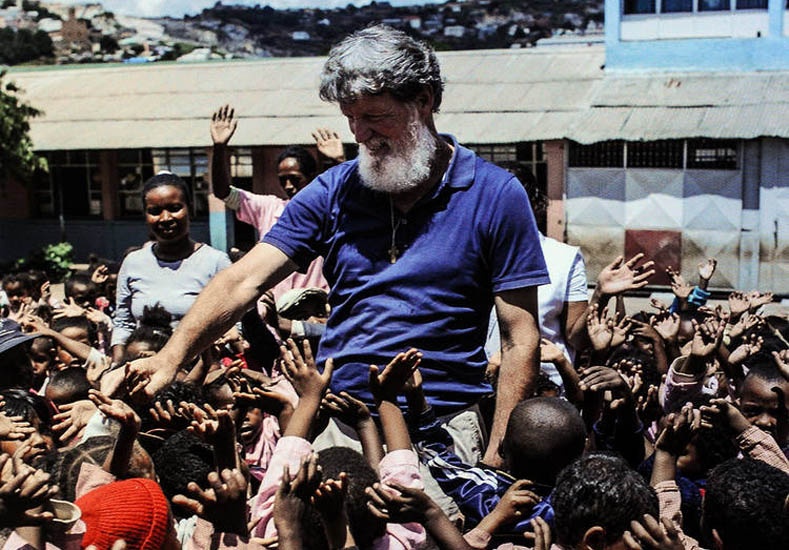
(54, 259)
(17, 158)
(23, 46)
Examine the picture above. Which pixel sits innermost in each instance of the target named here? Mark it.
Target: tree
(17, 158)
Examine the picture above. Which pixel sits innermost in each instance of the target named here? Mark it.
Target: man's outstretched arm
(520, 359)
(221, 303)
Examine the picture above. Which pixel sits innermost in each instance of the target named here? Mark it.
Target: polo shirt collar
(461, 170)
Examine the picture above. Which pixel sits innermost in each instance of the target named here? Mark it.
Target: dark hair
(36, 278)
(364, 526)
(72, 380)
(745, 502)
(544, 434)
(307, 164)
(599, 490)
(380, 59)
(21, 278)
(81, 278)
(767, 371)
(61, 323)
(163, 179)
(154, 328)
(67, 464)
(19, 402)
(176, 392)
(182, 458)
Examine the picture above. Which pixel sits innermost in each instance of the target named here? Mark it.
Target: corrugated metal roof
(492, 96)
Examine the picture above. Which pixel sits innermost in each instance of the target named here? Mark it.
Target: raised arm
(520, 356)
(223, 126)
(221, 303)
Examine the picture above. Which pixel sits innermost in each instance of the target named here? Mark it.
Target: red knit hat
(134, 510)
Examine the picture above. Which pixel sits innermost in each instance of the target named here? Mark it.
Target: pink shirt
(262, 212)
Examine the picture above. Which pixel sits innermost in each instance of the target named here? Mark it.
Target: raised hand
(745, 350)
(679, 430)
(210, 424)
(223, 503)
(725, 414)
(599, 328)
(707, 337)
(619, 331)
(116, 409)
(679, 287)
(620, 276)
(386, 385)
(738, 304)
(659, 305)
(100, 275)
(329, 144)
(782, 360)
(69, 309)
(540, 534)
(600, 379)
(223, 125)
(302, 372)
(346, 409)
(292, 497)
(667, 325)
(550, 352)
(518, 501)
(72, 419)
(166, 416)
(707, 270)
(410, 505)
(649, 534)
(757, 300)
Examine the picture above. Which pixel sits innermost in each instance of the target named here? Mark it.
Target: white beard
(404, 166)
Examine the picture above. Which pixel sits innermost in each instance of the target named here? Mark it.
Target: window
(192, 166)
(605, 154)
(676, 6)
(714, 5)
(712, 154)
(639, 6)
(74, 186)
(517, 157)
(751, 4)
(655, 154)
(135, 166)
(702, 154)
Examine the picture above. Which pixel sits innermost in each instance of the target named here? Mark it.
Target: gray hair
(380, 59)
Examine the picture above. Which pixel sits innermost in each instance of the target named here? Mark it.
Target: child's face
(42, 356)
(251, 424)
(41, 444)
(76, 333)
(17, 295)
(763, 408)
(138, 349)
(83, 295)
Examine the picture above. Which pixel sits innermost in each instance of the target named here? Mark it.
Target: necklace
(393, 251)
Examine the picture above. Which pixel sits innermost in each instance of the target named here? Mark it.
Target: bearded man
(420, 238)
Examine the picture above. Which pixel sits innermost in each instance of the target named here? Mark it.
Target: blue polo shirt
(473, 236)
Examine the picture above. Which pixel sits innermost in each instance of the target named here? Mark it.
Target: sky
(178, 8)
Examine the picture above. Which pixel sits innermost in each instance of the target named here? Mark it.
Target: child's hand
(738, 304)
(72, 418)
(329, 144)
(24, 493)
(648, 534)
(167, 417)
(679, 430)
(742, 352)
(223, 503)
(620, 276)
(679, 287)
(69, 309)
(266, 399)
(386, 385)
(723, 413)
(346, 409)
(329, 500)
(550, 352)
(410, 505)
(707, 337)
(782, 361)
(667, 325)
(117, 410)
(599, 328)
(100, 275)
(14, 428)
(293, 495)
(620, 331)
(516, 502)
(707, 269)
(302, 371)
(757, 300)
(210, 425)
(540, 534)
(600, 379)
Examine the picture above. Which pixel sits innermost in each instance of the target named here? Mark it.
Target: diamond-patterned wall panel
(662, 247)
(774, 277)
(724, 246)
(599, 246)
(595, 196)
(713, 200)
(654, 199)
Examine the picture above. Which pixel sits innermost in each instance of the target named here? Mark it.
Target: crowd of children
(670, 431)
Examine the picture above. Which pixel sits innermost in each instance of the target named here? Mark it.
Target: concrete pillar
(555, 161)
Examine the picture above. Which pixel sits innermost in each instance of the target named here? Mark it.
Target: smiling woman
(170, 271)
